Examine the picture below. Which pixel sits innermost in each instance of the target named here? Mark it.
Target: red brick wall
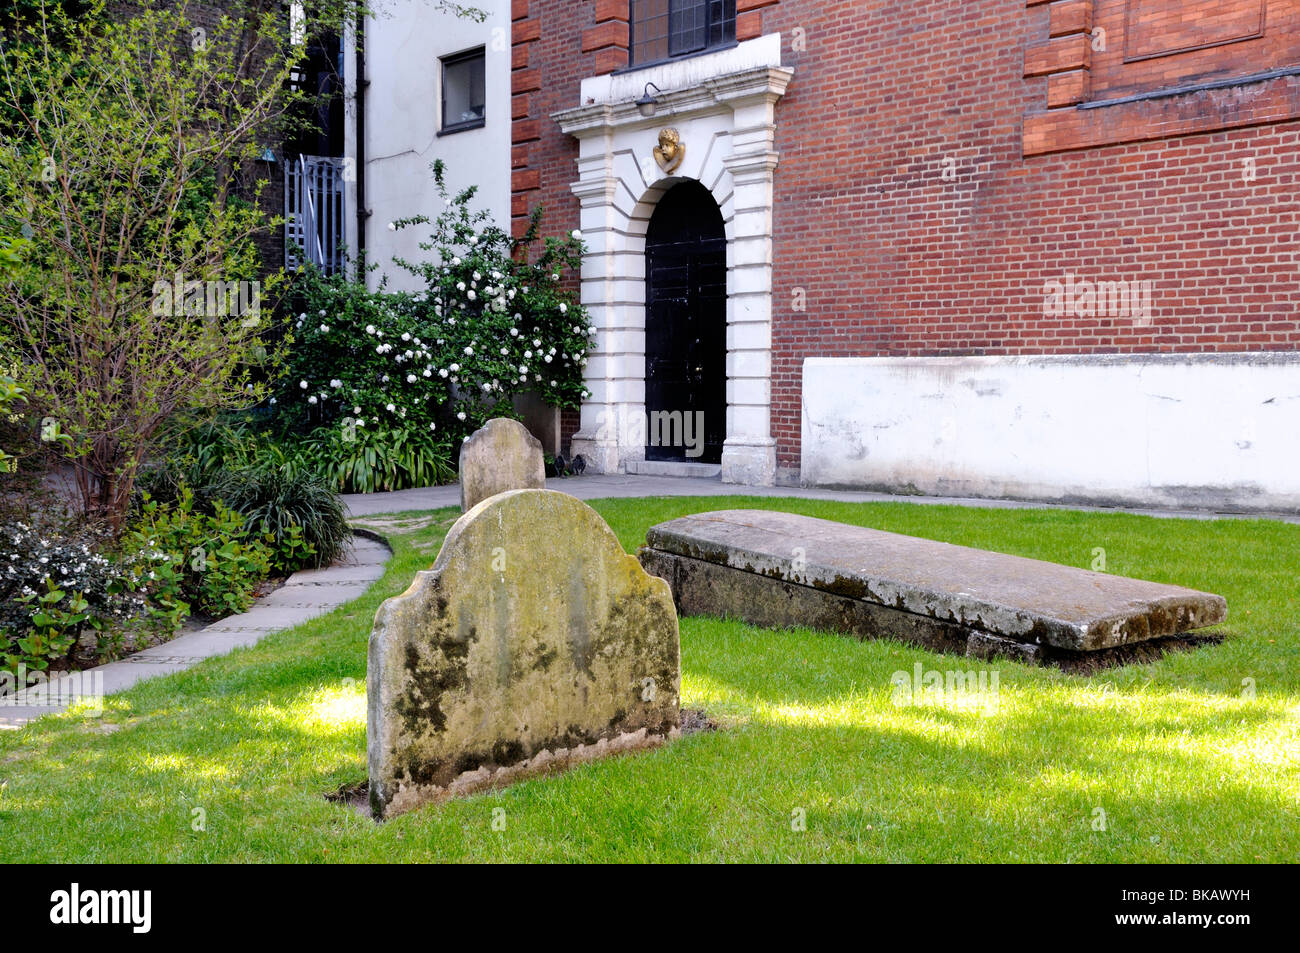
(1251, 35)
(895, 258)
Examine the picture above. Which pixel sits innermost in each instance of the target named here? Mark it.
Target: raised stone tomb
(533, 643)
(781, 569)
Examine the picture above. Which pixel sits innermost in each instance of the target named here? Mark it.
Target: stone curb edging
(311, 592)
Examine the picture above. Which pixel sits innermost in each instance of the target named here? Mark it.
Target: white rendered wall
(404, 42)
(1218, 430)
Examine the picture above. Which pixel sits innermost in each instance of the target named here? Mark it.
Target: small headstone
(500, 456)
(534, 642)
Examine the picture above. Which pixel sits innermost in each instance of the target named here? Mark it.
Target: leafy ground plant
(1189, 759)
(215, 560)
(55, 586)
(300, 515)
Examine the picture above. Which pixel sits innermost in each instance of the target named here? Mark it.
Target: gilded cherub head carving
(671, 151)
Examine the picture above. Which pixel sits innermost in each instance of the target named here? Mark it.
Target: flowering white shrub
(491, 323)
(54, 587)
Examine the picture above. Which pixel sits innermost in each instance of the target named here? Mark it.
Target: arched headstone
(534, 641)
(500, 456)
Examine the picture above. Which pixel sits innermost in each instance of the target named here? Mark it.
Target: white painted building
(436, 86)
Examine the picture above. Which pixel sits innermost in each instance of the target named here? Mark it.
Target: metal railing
(313, 212)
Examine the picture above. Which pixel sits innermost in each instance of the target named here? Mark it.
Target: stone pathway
(621, 485)
(303, 596)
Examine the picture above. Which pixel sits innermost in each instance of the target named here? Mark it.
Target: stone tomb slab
(502, 455)
(534, 642)
(775, 569)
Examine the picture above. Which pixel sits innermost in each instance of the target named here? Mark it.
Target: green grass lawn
(1185, 764)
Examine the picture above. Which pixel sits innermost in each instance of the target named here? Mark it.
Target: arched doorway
(686, 328)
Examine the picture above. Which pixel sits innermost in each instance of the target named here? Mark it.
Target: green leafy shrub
(215, 564)
(301, 515)
(278, 486)
(374, 459)
(55, 586)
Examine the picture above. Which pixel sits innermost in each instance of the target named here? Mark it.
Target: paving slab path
(631, 486)
(304, 595)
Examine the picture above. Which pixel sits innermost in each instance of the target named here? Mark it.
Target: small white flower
(455, 261)
(564, 308)
(312, 400)
(455, 368)
(461, 415)
(523, 368)
(411, 378)
(392, 226)
(433, 426)
(336, 383)
(577, 233)
(443, 372)
(302, 384)
(391, 408)
(469, 352)
(324, 329)
(370, 329)
(406, 336)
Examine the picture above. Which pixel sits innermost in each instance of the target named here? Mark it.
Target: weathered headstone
(781, 569)
(500, 456)
(534, 642)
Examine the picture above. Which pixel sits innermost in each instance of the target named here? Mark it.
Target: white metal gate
(313, 212)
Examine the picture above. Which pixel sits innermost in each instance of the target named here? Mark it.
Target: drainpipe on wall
(362, 212)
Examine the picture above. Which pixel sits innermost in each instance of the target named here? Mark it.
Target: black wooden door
(686, 328)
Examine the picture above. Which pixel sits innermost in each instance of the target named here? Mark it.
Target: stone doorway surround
(724, 106)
